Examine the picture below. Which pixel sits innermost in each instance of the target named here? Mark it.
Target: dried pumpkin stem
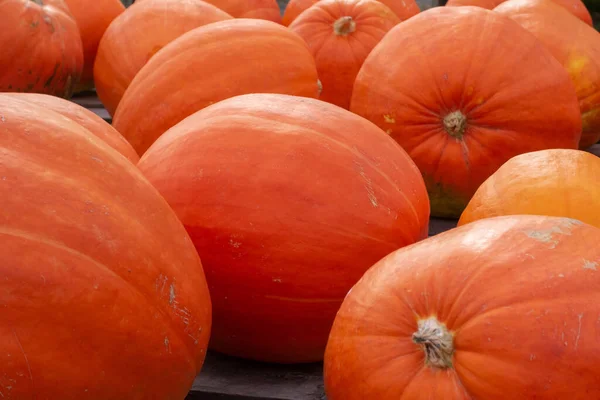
(436, 341)
(455, 124)
(344, 26)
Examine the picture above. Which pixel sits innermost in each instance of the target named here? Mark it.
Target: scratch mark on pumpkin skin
(389, 119)
(587, 264)
(26, 359)
(368, 185)
(172, 294)
(167, 344)
(547, 235)
(580, 317)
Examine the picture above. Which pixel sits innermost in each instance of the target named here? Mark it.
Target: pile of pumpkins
(265, 191)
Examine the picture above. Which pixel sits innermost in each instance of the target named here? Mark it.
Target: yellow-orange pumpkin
(562, 183)
(503, 308)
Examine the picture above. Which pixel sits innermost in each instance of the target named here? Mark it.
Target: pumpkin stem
(344, 26)
(436, 341)
(455, 124)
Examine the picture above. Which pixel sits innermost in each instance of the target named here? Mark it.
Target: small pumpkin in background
(404, 9)
(92, 17)
(103, 294)
(501, 308)
(288, 201)
(83, 117)
(561, 183)
(210, 64)
(574, 44)
(41, 48)
(136, 35)
(461, 107)
(575, 7)
(340, 35)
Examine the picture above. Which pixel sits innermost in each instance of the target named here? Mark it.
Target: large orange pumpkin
(503, 308)
(341, 34)
(574, 44)
(134, 37)
(209, 64)
(463, 107)
(404, 9)
(288, 201)
(258, 9)
(92, 17)
(575, 7)
(103, 294)
(41, 47)
(83, 117)
(562, 183)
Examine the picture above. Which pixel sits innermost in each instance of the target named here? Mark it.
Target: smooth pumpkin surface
(340, 35)
(288, 201)
(103, 294)
(574, 44)
(575, 7)
(501, 308)
(561, 183)
(404, 9)
(257, 9)
(210, 64)
(141, 31)
(462, 108)
(92, 17)
(83, 117)
(41, 47)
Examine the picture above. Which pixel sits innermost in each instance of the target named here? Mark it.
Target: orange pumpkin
(404, 9)
(288, 201)
(574, 44)
(463, 107)
(83, 117)
(259, 9)
(103, 294)
(562, 183)
(141, 31)
(209, 64)
(92, 17)
(41, 47)
(575, 7)
(501, 308)
(341, 34)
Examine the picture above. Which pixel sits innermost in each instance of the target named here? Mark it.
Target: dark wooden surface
(227, 378)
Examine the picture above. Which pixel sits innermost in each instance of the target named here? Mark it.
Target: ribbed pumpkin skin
(210, 64)
(519, 295)
(340, 35)
(92, 17)
(404, 9)
(103, 294)
(41, 48)
(288, 200)
(574, 44)
(561, 183)
(141, 31)
(460, 120)
(575, 7)
(83, 117)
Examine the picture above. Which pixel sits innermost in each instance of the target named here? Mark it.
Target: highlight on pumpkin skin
(561, 183)
(447, 111)
(477, 312)
(139, 33)
(340, 35)
(574, 44)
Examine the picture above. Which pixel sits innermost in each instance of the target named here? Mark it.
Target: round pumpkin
(103, 294)
(92, 17)
(288, 201)
(561, 183)
(135, 36)
(340, 35)
(41, 47)
(83, 117)
(501, 308)
(574, 44)
(575, 7)
(404, 9)
(461, 108)
(259, 9)
(209, 64)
